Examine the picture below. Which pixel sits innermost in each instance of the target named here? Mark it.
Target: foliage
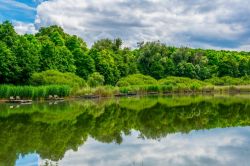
(95, 79)
(8, 65)
(53, 49)
(136, 79)
(229, 81)
(55, 77)
(182, 83)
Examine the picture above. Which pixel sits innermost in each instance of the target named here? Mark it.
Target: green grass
(34, 92)
(224, 81)
(142, 85)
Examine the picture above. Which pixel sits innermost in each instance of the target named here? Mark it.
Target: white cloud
(23, 28)
(196, 23)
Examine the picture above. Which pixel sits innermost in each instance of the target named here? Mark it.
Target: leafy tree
(7, 33)
(181, 54)
(57, 39)
(85, 65)
(8, 65)
(65, 61)
(150, 59)
(170, 68)
(74, 42)
(228, 67)
(186, 70)
(27, 56)
(105, 65)
(244, 68)
(203, 72)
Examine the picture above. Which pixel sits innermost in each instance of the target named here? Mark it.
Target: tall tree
(8, 65)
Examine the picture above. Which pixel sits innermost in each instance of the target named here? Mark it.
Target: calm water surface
(146, 131)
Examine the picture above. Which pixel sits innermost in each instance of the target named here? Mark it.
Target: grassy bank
(107, 91)
(142, 85)
(33, 92)
(181, 85)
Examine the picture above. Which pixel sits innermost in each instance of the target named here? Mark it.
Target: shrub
(227, 80)
(181, 84)
(136, 79)
(95, 79)
(53, 77)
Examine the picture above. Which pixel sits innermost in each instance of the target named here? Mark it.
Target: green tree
(244, 68)
(170, 68)
(85, 65)
(27, 56)
(8, 65)
(228, 67)
(74, 42)
(151, 59)
(181, 54)
(186, 70)
(64, 60)
(57, 39)
(105, 65)
(7, 33)
(203, 72)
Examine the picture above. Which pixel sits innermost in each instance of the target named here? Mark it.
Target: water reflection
(129, 131)
(227, 147)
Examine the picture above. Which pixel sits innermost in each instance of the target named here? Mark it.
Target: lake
(136, 131)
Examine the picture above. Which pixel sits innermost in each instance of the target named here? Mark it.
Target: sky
(215, 24)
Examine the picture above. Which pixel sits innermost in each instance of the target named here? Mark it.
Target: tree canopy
(53, 49)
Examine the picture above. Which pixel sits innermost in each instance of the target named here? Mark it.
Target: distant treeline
(51, 49)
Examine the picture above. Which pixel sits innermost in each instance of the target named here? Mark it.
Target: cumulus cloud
(199, 23)
(23, 28)
(219, 24)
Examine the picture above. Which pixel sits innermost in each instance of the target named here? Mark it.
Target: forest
(52, 56)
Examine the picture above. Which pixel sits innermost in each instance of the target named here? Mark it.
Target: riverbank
(103, 91)
(129, 86)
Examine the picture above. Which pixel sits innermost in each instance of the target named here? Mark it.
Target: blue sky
(20, 10)
(218, 24)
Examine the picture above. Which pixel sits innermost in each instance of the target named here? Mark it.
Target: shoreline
(115, 92)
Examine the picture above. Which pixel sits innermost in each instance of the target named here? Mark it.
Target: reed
(34, 92)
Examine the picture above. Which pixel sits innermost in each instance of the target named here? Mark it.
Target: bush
(227, 80)
(95, 79)
(136, 79)
(181, 84)
(176, 80)
(53, 77)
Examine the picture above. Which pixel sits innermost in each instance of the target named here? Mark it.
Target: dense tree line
(53, 49)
